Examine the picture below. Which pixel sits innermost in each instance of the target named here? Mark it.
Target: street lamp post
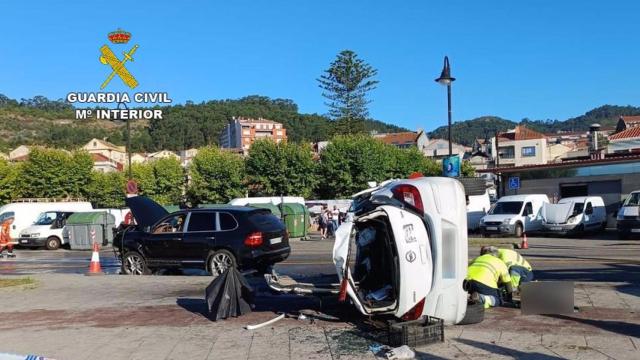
(128, 140)
(446, 80)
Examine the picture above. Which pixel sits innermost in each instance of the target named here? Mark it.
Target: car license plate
(556, 228)
(277, 240)
(494, 228)
(635, 230)
(24, 241)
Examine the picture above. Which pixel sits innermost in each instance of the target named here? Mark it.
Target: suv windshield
(633, 200)
(506, 208)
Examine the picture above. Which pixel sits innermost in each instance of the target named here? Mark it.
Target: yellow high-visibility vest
(488, 270)
(511, 258)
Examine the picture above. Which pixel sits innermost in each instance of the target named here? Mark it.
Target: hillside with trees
(464, 132)
(40, 121)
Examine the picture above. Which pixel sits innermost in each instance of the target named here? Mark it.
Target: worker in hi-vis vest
(519, 268)
(484, 276)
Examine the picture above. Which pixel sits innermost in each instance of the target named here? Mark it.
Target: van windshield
(578, 208)
(632, 200)
(506, 208)
(46, 218)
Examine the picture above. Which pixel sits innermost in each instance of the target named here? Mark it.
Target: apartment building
(520, 146)
(240, 133)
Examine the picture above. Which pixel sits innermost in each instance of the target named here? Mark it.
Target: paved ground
(70, 316)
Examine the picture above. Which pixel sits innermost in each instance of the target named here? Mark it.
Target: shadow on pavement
(618, 327)
(501, 350)
(629, 289)
(609, 272)
(195, 306)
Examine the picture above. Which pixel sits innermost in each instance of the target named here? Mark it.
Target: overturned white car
(403, 250)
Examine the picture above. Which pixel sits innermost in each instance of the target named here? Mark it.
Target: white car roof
(522, 197)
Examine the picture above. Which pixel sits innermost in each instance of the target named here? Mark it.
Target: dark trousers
(480, 288)
(526, 275)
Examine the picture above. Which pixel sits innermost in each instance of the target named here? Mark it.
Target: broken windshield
(506, 208)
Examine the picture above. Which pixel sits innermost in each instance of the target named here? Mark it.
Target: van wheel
(52, 243)
(474, 314)
(220, 261)
(134, 264)
(519, 230)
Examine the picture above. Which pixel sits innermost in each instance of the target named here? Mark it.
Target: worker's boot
(475, 298)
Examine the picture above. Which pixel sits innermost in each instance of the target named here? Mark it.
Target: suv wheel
(53, 243)
(220, 261)
(134, 264)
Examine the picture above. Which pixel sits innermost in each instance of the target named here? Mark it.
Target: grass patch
(16, 282)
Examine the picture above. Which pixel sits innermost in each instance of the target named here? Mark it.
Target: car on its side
(211, 239)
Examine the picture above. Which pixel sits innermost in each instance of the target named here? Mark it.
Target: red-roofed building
(102, 163)
(520, 146)
(405, 140)
(625, 141)
(627, 122)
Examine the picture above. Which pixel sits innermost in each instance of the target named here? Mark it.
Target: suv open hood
(146, 211)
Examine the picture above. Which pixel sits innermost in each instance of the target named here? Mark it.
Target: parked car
(211, 239)
(514, 214)
(46, 230)
(574, 215)
(24, 214)
(628, 216)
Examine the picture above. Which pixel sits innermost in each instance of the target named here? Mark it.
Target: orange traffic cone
(525, 243)
(94, 266)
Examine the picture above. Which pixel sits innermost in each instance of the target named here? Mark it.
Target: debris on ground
(229, 295)
(257, 326)
(401, 353)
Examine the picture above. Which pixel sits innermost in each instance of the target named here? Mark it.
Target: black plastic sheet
(229, 295)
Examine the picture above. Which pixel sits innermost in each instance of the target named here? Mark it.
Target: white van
(477, 207)
(514, 215)
(26, 213)
(574, 215)
(628, 216)
(46, 230)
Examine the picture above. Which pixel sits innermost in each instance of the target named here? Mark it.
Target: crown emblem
(119, 36)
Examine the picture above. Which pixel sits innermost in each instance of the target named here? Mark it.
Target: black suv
(211, 239)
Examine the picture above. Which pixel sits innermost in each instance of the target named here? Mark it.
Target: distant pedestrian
(322, 223)
(331, 228)
(335, 217)
(5, 238)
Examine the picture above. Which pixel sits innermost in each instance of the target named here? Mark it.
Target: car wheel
(134, 264)
(52, 243)
(220, 261)
(474, 314)
(519, 230)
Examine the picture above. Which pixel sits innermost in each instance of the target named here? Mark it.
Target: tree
(216, 177)
(107, 190)
(346, 84)
(349, 162)
(55, 173)
(283, 168)
(467, 170)
(9, 174)
(409, 161)
(161, 180)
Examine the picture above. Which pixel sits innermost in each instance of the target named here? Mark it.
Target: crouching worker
(484, 276)
(519, 268)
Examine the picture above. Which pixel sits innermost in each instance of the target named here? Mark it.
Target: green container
(83, 229)
(296, 219)
(275, 210)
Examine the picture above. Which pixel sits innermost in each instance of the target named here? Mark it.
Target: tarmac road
(602, 258)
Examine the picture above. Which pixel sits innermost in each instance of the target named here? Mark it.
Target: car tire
(519, 230)
(134, 264)
(52, 243)
(474, 314)
(219, 261)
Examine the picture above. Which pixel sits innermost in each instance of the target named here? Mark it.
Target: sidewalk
(118, 317)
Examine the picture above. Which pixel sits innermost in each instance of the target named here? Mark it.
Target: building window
(528, 151)
(507, 152)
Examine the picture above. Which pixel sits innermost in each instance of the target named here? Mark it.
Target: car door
(529, 217)
(414, 266)
(588, 215)
(199, 237)
(163, 244)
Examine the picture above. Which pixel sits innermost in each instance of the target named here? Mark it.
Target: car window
(170, 224)
(46, 218)
(202, 221)
(632, 200)
(528, 209)
(506, 208)
(588, 209)
(227, 222)
(264, 220)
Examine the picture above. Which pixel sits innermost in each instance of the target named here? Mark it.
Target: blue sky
(537, 59)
